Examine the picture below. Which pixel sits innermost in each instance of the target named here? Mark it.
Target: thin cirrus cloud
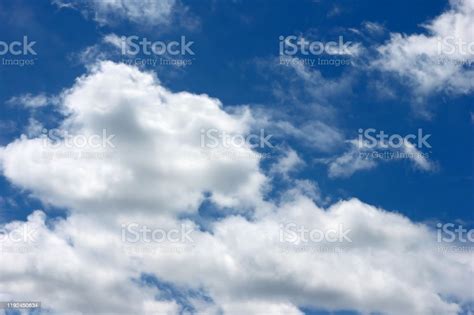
(138, 12)
(360, 157)
(29, 100)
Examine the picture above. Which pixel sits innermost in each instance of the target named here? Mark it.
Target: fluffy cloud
(154, 158)
(155, 174)
(69, 274)
(440, 60)
(386, 264)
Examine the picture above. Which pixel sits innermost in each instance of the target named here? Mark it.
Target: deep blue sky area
(232, 37)
(236, 60)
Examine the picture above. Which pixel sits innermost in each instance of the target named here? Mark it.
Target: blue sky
(313, 113)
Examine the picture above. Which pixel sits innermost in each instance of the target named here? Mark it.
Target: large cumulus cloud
(155, 176)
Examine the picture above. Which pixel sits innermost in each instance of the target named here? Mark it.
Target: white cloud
(32, 101)
(260, 307)
(113, 39)
(419, 160)
(314, 134)
(78, 264)
(430, 63)
(34, 127)
(157, 161)
(373, 27)
(349, 162)
(305, 88)
(320, 88)
(359, 157)
(146, 12)
(242, 265)
(108, 48)
(287, 163)
(70, 274)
